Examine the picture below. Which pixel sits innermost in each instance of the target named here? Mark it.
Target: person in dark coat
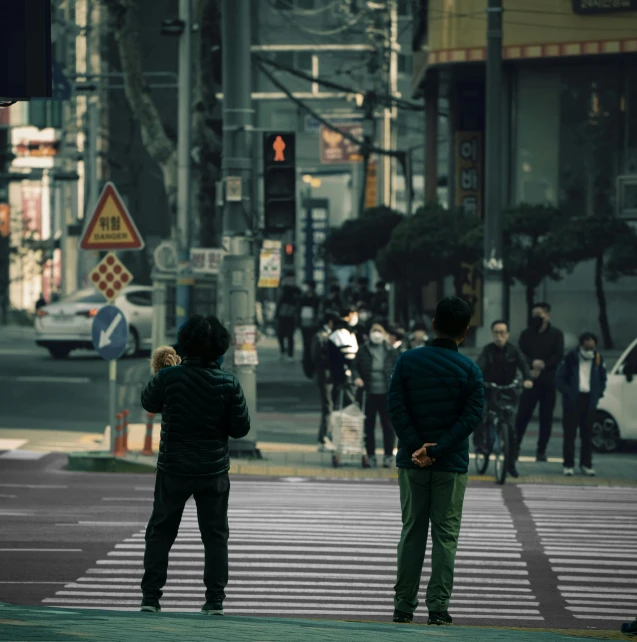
(543, 346)
(374, 364)
(323, 378)
(286, 317)
(380, 301)
(308, 320)
(40, 303)
(201, 407)
(436, 400)
(396, 338)
(581, 378)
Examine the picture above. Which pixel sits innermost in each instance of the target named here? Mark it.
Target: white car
(66, 325)
(616, 416)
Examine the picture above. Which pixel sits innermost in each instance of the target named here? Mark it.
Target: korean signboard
(206, 260)
(335, 148)
(316, 228)
(371, 188)
(270, 264)
(469, 197)
(593, 7)
(245, 345)
(32, 210)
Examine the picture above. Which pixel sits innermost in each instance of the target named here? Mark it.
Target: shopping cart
(348, 432)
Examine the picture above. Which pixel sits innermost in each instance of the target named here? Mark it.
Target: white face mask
(354, 320)
(376, 337)
(587, 354)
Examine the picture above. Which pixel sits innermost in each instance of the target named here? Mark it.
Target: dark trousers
(579, 416)
(377, 404)
(327, 404)
(285, 332)
(545, 395)
(171, 494)
(308, 335)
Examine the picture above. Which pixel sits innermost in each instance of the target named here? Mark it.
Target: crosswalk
(590, 538)
(320, 549)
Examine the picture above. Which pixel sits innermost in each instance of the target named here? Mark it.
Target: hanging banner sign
(270, 264)
(469, 198)
(245, 345)
(206, 260)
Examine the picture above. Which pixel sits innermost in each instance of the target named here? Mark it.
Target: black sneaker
(513, 471)
(630, 628)
(402, 617)
(150, 605)
(440, 618)
(212, 608)
(541, 457)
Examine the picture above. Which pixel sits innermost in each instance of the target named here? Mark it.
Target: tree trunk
(601, 302)
(530, 300)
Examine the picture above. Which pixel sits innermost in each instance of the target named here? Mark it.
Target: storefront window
(537, 136)
(591, 138)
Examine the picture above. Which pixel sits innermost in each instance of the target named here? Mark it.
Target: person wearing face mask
(543, 346)
(581, 378)
(342, 349)
(374, 364)
(419, 336)
(364, 323)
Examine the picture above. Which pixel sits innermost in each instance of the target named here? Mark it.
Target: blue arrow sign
(110, 332)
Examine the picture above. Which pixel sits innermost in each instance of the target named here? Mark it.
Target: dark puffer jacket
(201, 406)
(364, 363)
(436, 395)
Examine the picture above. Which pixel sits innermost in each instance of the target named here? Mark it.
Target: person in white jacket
(342, 350)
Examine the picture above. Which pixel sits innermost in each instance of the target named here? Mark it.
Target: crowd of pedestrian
(349, 349)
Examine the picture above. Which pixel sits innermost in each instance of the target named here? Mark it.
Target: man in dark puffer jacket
(436, 400)
(201, 406)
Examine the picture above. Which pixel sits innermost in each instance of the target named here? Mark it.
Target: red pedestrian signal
(289, 249)
(279, 147)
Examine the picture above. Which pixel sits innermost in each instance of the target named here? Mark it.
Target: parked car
(66, 325)
(616, 416)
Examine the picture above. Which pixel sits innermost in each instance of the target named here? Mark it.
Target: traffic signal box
(279, 181)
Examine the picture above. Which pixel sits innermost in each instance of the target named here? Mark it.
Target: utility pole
(184, 278)
(239, 305)
(493, 296)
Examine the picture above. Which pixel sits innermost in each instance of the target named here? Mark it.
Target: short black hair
(500, 322)
(346, 310)
(587, 336)
(330, 315)
(396, 331)
(542, 304)
(204, 338)
(453, 316)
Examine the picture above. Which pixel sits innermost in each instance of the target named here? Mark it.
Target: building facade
(569, 125)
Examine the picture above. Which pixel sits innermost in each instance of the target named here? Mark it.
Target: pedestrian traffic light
(279, 181)
(289, 249)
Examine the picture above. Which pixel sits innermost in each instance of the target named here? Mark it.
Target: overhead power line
(365, 145)
(385, 99)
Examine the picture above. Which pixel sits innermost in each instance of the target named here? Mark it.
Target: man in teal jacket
(435, 400)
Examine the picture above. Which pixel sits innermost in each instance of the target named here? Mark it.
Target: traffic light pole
(183, 165)
(239, 307)
(493, 297)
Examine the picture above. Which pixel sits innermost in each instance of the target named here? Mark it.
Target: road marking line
(50, 379)
(31, 486)
(8, 496)
(32, 582)
(102, 524)
(23, 455)
(41, 550)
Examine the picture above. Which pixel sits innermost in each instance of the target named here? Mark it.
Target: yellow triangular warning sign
(111, 226)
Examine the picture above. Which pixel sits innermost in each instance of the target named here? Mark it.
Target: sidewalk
(30, 623)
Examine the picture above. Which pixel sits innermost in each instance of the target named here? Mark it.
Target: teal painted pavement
(31, 623)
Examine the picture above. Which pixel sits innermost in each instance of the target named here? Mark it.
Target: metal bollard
(125, 414)
(148, 440)
(119, 438)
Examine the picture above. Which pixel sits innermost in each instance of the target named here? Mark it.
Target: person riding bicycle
(500, 362)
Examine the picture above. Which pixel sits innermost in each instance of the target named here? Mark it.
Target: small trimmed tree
(358, 240)
(533, 247)
(431, 245)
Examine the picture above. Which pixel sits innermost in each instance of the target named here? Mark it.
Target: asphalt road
(529, 555)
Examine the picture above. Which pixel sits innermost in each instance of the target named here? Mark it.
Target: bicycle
(499, 424)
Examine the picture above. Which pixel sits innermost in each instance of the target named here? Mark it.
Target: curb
(104, 462)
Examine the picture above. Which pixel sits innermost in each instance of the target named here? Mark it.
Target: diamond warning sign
(110, 277)
(111, 226)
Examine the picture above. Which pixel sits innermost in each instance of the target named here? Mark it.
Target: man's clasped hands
(421, 458)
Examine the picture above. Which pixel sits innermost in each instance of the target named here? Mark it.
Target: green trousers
(428, 496)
